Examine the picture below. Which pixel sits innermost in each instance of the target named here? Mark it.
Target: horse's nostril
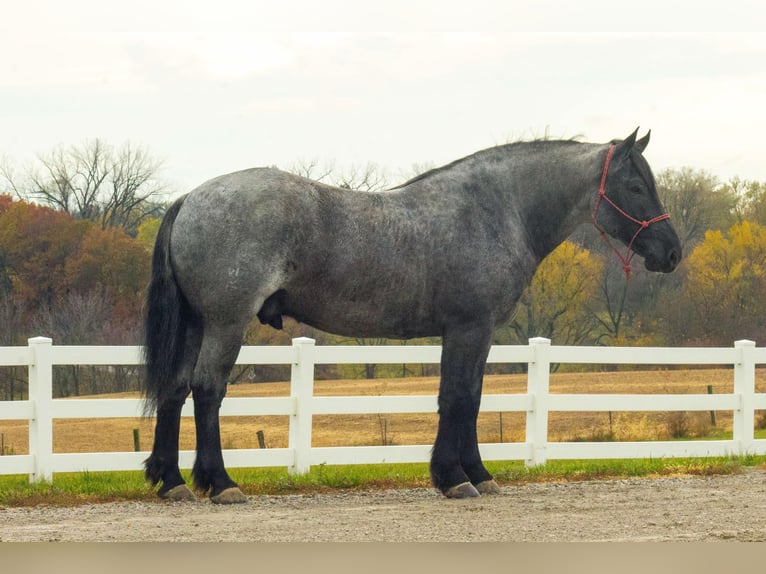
(674, 257)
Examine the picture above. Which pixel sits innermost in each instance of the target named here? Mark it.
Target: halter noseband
(625, 259)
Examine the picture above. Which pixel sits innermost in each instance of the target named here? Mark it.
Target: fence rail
(41, 408)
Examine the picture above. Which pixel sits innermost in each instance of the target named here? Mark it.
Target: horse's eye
(636, 188)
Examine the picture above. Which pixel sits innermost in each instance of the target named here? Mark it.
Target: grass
(72, 489)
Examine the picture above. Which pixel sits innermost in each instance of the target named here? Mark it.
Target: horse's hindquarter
(235, 239)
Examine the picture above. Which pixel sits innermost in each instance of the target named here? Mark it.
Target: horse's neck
(549, 190)
(557, 196)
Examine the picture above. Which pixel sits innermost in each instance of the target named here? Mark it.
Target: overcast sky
(218, 86)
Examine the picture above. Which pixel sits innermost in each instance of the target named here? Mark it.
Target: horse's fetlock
(153, 469)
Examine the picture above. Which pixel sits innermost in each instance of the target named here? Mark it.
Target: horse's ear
(623, 148)
(643, 142)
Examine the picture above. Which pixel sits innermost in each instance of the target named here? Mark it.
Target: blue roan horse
(446, 254)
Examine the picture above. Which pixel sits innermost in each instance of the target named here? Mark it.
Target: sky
(213, 87)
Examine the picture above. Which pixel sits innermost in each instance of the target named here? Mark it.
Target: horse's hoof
(231, 495)
(488, 487)
(180, 493)
(462, 490)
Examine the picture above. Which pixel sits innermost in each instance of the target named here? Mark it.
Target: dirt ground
(717, 508)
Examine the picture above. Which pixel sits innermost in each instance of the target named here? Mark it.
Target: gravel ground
(725, 508)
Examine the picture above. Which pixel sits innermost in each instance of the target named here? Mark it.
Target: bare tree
(696, 202)
(313, 169)
(750, 199)
(133, 183)
(116, 187)
(85, 319)
(12, 379)
(368, 177)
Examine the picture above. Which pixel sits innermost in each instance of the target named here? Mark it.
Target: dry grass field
(116, 435)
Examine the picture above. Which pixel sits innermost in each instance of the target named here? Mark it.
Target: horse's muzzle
(665, 263)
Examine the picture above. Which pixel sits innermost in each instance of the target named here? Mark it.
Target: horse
(447, 254)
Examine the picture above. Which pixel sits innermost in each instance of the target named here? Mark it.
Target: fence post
(538, 384)
(744, 386)
(302, 392)
(41, 395)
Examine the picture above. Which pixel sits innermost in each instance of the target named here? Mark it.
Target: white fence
(41, 409)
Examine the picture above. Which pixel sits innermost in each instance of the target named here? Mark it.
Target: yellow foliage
(555, 304)
(727, 280)
(147, 232)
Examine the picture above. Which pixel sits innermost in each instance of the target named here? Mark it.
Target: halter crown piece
(625, 259)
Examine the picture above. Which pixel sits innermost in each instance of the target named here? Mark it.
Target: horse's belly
(361, 315)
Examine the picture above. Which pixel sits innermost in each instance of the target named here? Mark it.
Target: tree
(12, 379)
(725, 286)
(47, 258)
(108, 260)
(750, 199)
(73, 281)
(147, 232)
(35, 243)
(368, 177)
(755, 197)
(555, 305)
(115, 187)
(696, 203)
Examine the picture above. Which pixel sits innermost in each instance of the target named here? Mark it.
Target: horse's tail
(166, 316)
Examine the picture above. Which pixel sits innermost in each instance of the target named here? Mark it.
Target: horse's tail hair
(166, 316)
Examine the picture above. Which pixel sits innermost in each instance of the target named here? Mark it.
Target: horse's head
(629, 209)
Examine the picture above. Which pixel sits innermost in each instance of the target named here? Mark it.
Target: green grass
(69, 489)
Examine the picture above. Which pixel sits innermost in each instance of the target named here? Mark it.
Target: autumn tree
(147, 232)
(556, 304)
(73, 281)
(725, 287)
(47, 258)
(110, 260)
(35, 244)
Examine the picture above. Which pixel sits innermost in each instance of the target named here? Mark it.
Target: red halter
(625, 259)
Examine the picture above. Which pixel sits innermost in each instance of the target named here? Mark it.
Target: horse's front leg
(456, 466)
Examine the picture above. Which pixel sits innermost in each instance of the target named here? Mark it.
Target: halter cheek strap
(625, 259)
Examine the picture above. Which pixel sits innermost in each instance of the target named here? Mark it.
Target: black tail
(165, 321)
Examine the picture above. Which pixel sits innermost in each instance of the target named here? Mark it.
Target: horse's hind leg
(220, 346)
(456, 466)
(162, 464)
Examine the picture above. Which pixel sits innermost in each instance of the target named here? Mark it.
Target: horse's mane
(492, 150)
